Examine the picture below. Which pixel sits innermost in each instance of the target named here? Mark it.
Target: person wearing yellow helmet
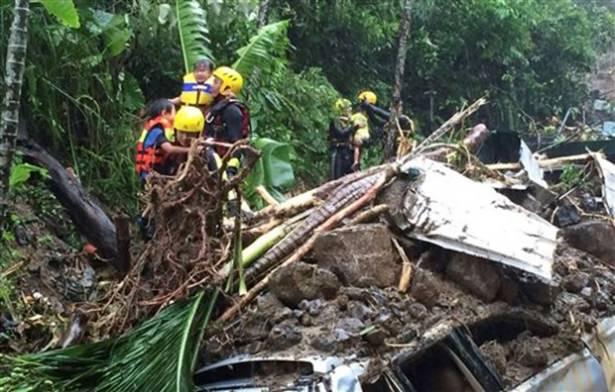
(342, 138)
(164, 143)
(228, 119)
(378, 117)
(194, 88)
(166, 136)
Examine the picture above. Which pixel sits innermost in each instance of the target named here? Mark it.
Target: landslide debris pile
(343, 301)
(326, 270)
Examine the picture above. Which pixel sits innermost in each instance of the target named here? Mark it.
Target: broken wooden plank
(548, 164)
(450, 210)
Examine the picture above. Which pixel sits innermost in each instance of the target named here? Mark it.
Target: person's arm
(376, 115)
(356, 164)
(339, 132)
(233, 118)
(170, 149)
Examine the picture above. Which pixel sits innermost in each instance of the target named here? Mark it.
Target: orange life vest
(148, 158)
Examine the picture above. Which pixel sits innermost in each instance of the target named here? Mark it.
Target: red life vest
(216, 128)
(148, 158)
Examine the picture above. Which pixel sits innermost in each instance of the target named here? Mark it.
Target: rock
(570, 301)
(376, 338)
(350, 325)
(417, 311)
(496, 354)
(324, 343)
(283, 336)
(530, 353)
(434, 259)
(594, 237)
(587, 293)
(360, 255)
(509, 291)
(478, 276)
(300, 281)
(566, 215)
(425, 288)
(540, 292)
(575, 282)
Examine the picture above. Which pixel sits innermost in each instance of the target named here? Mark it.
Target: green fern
(193, 31)
(266, 49)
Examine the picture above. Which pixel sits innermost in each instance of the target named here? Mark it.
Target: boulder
(594, 237)
(478, 276)
(299, 281)
(360, 255)
(425, 288)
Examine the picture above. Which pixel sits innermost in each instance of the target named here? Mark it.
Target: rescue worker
(194, 88)
(156, 152)
(227, 121)
(378, 117)
(347, 133)
(165, 138)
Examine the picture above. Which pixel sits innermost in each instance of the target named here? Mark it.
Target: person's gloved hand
(356, 166)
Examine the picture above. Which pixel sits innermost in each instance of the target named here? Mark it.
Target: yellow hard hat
(368, 96)
(189, 119)
(342, 105)
(230, 79)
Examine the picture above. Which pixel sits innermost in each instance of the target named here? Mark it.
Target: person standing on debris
(227, 121)
(346, 135)
(194, 88)
(164, 143)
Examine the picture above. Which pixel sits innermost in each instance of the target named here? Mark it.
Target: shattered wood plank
(450, 210)
(607, 172)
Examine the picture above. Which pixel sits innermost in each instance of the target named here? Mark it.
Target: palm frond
(264, 50)
(193, 31)
(159, 355)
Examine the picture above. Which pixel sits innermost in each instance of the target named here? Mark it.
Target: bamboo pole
(266, 196)
(305, 248)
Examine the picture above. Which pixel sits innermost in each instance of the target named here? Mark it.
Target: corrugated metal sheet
(455, 212)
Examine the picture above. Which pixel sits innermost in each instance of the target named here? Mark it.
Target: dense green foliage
(88, 78)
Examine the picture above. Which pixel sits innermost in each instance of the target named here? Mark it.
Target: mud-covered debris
(495, 354)
(575, 282)
(476, 275)
(594, 237)
(299, 281)
(566, 215)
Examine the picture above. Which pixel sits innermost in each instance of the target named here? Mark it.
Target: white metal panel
(455, 212)
(607, 172)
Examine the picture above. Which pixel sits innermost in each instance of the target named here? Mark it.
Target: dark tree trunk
(91, 221)
(396, 104)
(9, 122)
(263, 13)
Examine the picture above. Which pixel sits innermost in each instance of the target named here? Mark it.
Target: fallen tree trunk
(89, 219)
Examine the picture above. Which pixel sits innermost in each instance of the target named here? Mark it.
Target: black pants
(342, 157)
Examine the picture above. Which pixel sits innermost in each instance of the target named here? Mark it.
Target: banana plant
(192, 27)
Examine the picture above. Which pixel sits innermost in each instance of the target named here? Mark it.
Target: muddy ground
(526, 327)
